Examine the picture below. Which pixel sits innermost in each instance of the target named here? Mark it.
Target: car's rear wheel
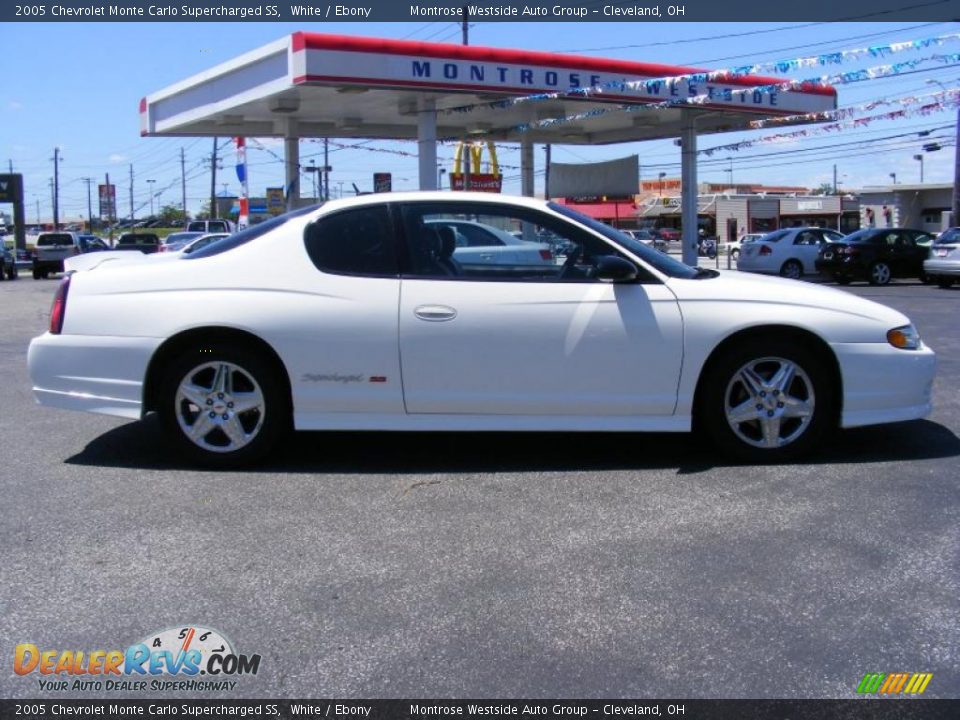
(945, 282)
(791, 269)
(13, 274)
(879, 274)
(37, 274)
(767, 400)
(223, 405)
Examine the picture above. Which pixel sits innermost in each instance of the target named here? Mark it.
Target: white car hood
(750, 288)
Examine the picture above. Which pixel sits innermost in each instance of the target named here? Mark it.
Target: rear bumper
(883, 384)
(942, 267)
(92, 373)
(48, 265)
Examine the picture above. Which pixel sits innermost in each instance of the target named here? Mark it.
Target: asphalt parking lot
(491, 565)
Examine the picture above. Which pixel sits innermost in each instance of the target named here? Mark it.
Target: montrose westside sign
(392, 64)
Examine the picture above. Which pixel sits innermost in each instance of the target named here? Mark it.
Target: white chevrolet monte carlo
(357, 316)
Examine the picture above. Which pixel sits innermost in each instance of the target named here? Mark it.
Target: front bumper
(840, 265)
(883, 384)
(91, 373)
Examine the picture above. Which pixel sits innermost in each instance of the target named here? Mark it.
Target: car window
(472, 235)
(922, 238)
(905, 240)
(432, 251)
(831, 235)
(775, 236)
(353, 242)
(948, 237)
(807, 237)
(248, 234)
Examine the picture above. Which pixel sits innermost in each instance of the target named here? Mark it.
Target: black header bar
(641, 12)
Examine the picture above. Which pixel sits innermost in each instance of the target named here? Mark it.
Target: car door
(339, 336)
(806, 245)
(538, 341)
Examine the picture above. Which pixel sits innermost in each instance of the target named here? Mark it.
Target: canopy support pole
(526, 167)
(688, 188)
(291, 164)
(427, 144)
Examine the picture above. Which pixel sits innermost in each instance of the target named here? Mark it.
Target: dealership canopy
(314, 85)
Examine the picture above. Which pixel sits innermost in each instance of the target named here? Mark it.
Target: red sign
(382, 182)
(108, 200)
(479, 182)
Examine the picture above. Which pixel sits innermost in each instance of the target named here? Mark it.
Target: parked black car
(876, 255)
(8, 262)
(144, 242)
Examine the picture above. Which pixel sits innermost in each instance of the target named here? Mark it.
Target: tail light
(765, 250)
(59, 308)
(546, 255)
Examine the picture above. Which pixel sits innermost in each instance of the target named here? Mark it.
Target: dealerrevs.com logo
(898, 683)
(182, 658)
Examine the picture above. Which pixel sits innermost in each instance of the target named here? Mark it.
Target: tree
(204, 213)
(824, 189)
(172, 216)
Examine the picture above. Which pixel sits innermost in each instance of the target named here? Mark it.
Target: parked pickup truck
(144, 242)
(52, 248)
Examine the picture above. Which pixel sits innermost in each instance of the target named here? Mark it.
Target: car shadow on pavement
(140, 445)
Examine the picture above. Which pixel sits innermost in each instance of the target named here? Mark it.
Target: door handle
(435, 313)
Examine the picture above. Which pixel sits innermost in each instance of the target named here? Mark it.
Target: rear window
(948, 236)
(354, 242)
(144, 239)
(55, 239)
(775, 236)
(861, 236)
(247, 234)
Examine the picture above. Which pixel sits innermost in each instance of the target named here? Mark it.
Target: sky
(77, 86)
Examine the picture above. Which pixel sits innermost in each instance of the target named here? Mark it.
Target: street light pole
(893, 176)
(661, 176)
(440, 172)
(920, 159)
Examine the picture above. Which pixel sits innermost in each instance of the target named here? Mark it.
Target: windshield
(247, 234)
(661, 261)
(55, 239)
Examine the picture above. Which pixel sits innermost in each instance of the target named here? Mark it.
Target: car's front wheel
(880, 274)
(223, 405)
(13, 273)
(767, 401)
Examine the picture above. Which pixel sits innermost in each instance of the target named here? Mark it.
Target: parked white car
(476, 243)
(347, 316)
(733, 247)
(790, 253)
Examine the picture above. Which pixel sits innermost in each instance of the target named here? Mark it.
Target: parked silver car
(943, 264)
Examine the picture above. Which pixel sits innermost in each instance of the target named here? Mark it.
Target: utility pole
(326, 169)
(38, 210)
(111, 206)
(53, 199)
(10, 165)
(956, 176)
(834, 179)
(546, 173)
(465, 25)
(213, 181)
(89, 204)
(183, 184)
(132, 218)
(56, 188)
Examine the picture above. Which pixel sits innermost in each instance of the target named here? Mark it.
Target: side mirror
(615, 269)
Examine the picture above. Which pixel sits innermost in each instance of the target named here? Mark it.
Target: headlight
(905, 337)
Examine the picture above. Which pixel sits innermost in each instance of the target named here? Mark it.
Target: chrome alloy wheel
(769, 402)
(880, 274)
(219, 407)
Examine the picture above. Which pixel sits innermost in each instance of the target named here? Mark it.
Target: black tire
(37, 274)
(879, 274)
(924, 278)
(841, 279)
(262, 428)
(14, 273)
(791, 269)
(722, 387)
(945, 282)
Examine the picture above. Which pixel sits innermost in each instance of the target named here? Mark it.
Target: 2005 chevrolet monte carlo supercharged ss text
(361, 315)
